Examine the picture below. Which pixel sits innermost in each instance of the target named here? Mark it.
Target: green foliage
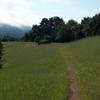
(9, 38)
(65, 34)
(47, 28)
(91, 26)
(59, 31)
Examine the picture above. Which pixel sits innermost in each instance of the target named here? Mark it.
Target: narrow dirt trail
(74, 93)
(73, 86)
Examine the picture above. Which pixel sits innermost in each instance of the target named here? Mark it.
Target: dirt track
(73, 89)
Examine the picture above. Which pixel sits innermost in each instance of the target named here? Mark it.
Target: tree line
(55, 29)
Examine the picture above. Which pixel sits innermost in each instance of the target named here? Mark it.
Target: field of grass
(85, 58)
(33, 72)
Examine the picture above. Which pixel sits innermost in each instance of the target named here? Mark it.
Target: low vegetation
(33, 72)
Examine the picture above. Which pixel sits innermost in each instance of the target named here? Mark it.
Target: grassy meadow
(40, 72)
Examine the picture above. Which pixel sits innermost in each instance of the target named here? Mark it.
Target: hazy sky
(29, 12)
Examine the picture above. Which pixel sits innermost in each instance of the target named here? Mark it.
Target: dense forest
(55, 29)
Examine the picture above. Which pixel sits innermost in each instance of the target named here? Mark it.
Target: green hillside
(33, 72)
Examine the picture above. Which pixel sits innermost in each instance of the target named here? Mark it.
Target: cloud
(57, 1)
(18, 12)
(48, 1)
(29, 12)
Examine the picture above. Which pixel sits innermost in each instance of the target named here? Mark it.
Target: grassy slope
(40, 72)
(85, 58)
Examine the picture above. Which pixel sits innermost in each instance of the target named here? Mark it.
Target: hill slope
(33, 72)
(13, 31)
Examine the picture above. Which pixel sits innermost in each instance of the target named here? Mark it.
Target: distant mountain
(14, 31)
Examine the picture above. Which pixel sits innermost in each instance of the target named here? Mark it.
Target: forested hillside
(13, 31)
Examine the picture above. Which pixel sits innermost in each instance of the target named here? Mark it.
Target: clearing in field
(33, 72)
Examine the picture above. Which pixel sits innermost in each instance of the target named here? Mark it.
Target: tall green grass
(33, 72)
(84, 57)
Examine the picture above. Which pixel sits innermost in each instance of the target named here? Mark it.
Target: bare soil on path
(73, 85)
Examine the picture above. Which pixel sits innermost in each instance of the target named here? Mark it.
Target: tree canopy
(55, 29)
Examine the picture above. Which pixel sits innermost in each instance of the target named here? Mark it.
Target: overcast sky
(29, 12)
